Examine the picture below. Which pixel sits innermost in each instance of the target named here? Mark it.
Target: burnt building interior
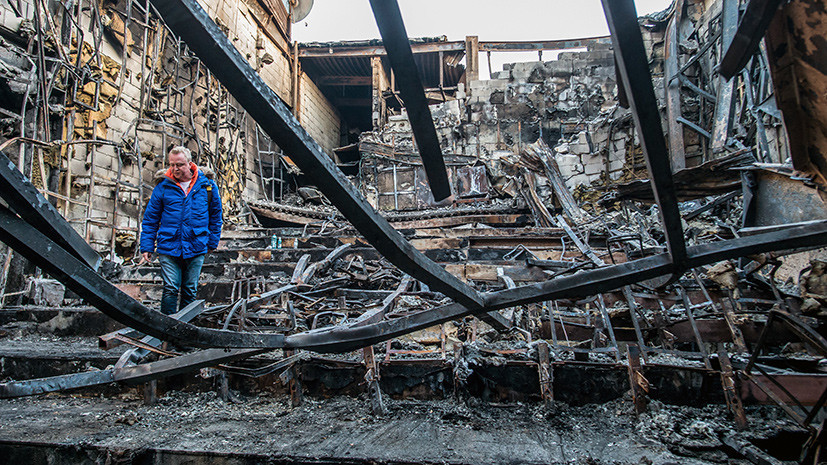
(612, 254)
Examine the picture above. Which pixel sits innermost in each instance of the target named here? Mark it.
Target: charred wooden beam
(395, 39)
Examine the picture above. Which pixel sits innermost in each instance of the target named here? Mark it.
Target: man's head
(179, 162)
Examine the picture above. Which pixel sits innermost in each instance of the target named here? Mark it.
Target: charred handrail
(398, 47)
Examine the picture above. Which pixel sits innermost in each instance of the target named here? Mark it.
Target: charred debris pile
(569, 265)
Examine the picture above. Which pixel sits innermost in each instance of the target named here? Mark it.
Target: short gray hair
(182, 150)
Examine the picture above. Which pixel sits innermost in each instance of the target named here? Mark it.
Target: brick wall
(318, 116)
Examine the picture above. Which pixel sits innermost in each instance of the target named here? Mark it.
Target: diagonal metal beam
(89, 285)
(187, 19)
(26, 200)
(395, 39)
(751, 30)
(637, 80)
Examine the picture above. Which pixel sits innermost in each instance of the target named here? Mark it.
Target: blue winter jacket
(179, 224)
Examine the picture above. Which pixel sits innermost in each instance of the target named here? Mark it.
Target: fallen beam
(342, 339)
(132, 374)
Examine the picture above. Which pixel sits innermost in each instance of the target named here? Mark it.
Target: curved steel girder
(53, 259)
(187, 19)
(26, 200)
(398, 47)
(586, 283)
(46, 254)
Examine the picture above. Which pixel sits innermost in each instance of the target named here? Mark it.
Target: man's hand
(146, 257)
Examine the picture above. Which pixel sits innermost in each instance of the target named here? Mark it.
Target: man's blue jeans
(179, 274)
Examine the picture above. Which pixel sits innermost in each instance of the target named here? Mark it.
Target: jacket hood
(161, 174)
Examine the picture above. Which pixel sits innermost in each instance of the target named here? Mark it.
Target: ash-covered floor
(343, 430)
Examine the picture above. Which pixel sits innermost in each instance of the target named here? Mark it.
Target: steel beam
(187, 19)
(751, 30)
(395, 39)
(673, 88)
(637, 80)
(22, 197)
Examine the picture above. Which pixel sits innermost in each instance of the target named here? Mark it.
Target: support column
(546, 374)
(372, 378)
(379, 82)
(292, 378)
(472, 59)
(638, 384)
(733, 400)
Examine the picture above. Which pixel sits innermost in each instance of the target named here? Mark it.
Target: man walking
(182, 222)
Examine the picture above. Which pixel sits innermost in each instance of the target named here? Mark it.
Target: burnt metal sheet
(189, 20)
(781, 200)
(395, 39)
(796, 50)
(472, 181)
(637, 82)
(26, 200)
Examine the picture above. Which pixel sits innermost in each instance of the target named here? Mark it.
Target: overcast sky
(333, 20)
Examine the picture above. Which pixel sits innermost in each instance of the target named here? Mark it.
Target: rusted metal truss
(185, 17)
